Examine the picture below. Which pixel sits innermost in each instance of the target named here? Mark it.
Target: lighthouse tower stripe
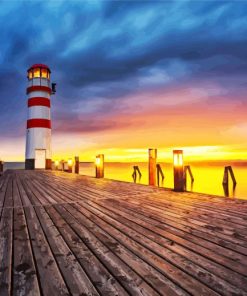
(38, 88)
(39, 101)
(41, 94)
(39, 112)
(38, 122)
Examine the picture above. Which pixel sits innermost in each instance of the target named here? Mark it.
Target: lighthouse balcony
(39, 82)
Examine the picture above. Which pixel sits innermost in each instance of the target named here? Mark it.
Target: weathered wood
(178, 170)
(99, 275)
(25, 281)
(130, 280)
(99, 166)
(50, 278)
(65, 234)
(152, 156)
(6, 234)
(161, 248)
(224, 243)
(161, 284)
(77, 165)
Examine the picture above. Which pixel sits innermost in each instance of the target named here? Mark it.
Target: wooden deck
(62, 234)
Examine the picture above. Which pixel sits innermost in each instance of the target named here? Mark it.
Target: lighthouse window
(30, 74)
(44, 73)
(36, 72)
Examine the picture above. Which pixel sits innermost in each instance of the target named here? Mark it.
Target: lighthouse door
(40, 159)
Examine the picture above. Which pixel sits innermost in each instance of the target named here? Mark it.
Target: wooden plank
(51, 281)
(168, 193)
(169, 270)
(25, 281)
(102, 279)
(130, 280)
(6, 229)
(160, 215)
(158, 281)
(213, 252)
(143, 228)
(200, 273)
(73, 274)
(168, 243)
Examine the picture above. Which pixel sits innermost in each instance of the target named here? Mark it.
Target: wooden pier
(64, 234)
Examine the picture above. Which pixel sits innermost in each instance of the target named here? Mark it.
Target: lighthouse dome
(38, 71)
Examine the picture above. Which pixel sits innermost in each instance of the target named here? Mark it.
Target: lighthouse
(38, 134)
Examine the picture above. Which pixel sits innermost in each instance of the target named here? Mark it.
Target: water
(208, 178)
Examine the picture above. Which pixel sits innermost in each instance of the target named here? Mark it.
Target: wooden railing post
(178, 169)
(99, 164)
(152, 156)
(1, 166)
(77, 165)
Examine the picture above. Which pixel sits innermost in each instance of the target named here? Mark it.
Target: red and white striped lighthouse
(38, 137)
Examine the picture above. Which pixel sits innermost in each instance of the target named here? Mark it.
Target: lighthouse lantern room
(38, 136)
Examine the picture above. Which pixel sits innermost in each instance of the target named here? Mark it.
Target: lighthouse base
(30, 164)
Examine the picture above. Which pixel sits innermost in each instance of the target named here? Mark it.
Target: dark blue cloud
(103, 50)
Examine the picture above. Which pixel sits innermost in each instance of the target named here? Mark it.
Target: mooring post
(1, 166)
(70, 165)
(99, 164)
(160, 173)
(178, 170)
(62, 161)
(225, 177)
(56, 165)
(77, 165)
(232, 176)
(152, 156)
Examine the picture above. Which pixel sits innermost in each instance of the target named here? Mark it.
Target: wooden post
(152, 154)
(178, 169)
(1, 166)
(62, 161)
(232, 176)
(56, 165)
(225, 177)
(77, 165)
(70, 165)
(99, 164)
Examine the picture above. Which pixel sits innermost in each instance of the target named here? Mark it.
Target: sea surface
(208, 177)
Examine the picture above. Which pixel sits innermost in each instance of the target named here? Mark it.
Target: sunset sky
(130, 76)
